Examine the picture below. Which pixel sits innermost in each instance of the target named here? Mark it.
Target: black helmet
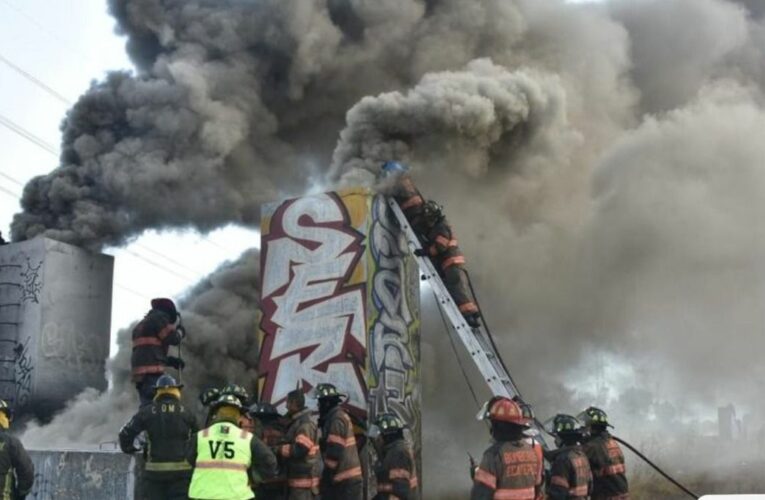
(167, 306)
(237, 391)
(432, 210)
(167, 382)
(209, 396)
(386, 424)
(323, 391)
(227, 400)
(563, 424)
(263, 410)
(593, 416)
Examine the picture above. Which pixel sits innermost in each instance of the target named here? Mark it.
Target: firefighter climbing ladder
(477, 341)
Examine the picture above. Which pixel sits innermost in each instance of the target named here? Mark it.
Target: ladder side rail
(493, 374)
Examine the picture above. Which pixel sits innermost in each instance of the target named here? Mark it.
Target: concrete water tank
(55, 322)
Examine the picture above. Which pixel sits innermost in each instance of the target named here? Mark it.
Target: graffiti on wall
(394, 358)
(24, 369)
(313, 300)
(31, 281)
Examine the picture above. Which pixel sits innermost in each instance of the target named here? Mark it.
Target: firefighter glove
(176, 363)
(420, 252)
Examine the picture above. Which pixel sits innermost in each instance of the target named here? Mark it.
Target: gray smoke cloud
(601, 164)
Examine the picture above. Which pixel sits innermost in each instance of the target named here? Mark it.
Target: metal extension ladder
(476, 340)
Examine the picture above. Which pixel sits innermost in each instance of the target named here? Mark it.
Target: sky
(44, 66)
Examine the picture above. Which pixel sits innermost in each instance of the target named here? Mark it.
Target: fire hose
(626, 444)
(656, 467)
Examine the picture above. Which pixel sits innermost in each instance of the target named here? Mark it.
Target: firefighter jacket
(397, 473)
(300, 453)
(152, 337)
(338, 446)
(272, 434)
(410, 200)
(169, 427)
(509, 470)
(17, 473)
(607, 465)
(570, 475)
(223, 455)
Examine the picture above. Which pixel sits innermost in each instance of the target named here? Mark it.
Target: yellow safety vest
(223, 457)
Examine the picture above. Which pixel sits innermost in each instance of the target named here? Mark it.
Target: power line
(19, 130)
(34, 80)
(12, 179)
(10, 193)
(53, 36)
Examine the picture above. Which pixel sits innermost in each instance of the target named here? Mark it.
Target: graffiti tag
(313, 321)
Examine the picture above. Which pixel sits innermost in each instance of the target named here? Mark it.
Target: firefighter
(570, 475)
(241, 394)
(17, 472)
(152, 338)
(441, 245)
(399, 184)
(605, 456)
(169, 426)
(300, 451)
(396, 470)
(224, 456)
(341, 476)
(270, 428)
(510, 468)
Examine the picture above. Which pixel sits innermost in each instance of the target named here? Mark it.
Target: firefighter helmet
(563, 424)
(526, 409)
(167, 382)
(227, 400)
(323, 391)
(386, 424)
(432, 211)
(502, 409)
(209, 396)
(594, 416)
(236, 390)
(263, 410)
(165, 305)
(393, 168)
(6, 409)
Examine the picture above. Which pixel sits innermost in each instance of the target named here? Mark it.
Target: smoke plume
(601, 164)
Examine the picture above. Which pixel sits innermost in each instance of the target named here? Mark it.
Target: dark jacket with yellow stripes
(169, 427)
(338, 445)
(152, 337)
(17, 472)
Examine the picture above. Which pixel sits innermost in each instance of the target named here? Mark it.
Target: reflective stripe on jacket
(509, 470)
(301, 453)
(223, 457)
(570, 475)
(607, 465)
(341, 455)
(152, 337)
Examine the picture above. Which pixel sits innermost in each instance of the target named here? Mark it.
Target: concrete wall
(340, 304)
(83, 475)
(55, 321)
